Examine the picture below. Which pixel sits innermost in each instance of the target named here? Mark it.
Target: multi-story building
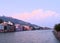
(7, 27)
(1, 28)
(19, 27)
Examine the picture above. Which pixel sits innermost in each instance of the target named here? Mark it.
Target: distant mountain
(16, 21)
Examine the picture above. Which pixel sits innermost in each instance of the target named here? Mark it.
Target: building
(25, 27)
(19, 27)
(1, 25)
(7, 26)
(10, 28)
(1, 28)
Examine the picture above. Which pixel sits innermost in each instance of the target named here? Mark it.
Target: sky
(39, 12)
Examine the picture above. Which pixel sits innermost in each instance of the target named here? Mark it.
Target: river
(37, 36)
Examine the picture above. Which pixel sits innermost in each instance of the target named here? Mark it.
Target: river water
(37, 36)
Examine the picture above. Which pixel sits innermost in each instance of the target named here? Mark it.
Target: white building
(9, 22)
(1, 27)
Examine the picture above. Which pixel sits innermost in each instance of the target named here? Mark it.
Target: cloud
(39, 17)
(38, 14)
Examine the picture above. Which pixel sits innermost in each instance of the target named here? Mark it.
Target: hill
(16, 21)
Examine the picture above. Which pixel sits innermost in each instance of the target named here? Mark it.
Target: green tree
(1, 21)
(57, 27)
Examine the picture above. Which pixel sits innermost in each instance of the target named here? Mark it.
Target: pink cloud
(38, 14)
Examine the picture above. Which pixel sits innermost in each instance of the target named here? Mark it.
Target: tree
(1, 21)
(57, 27)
